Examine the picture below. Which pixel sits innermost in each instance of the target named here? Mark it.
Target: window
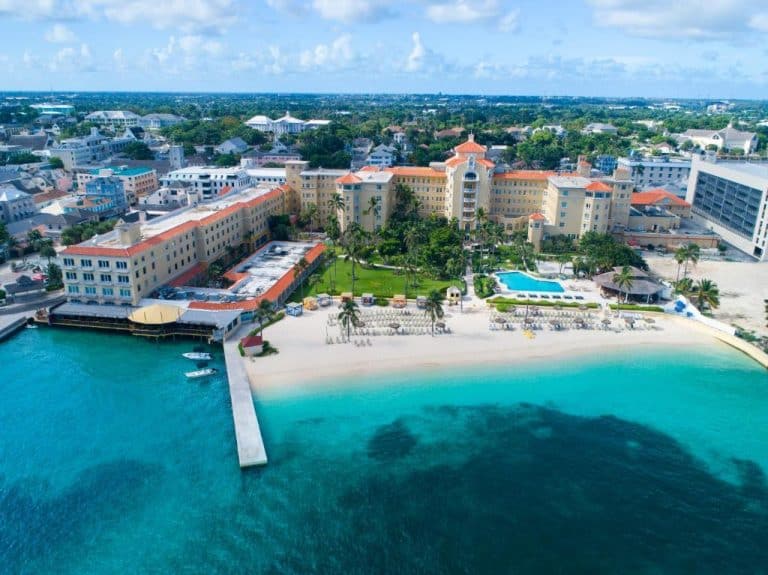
(73, 289)
(87, 277)
(71, 275)
(106, 278)
(121, 265)
(122, 279)
(125, 292)
(86, 263)
(108, 291)
(103, 264)
(69, 261)
(90, 290)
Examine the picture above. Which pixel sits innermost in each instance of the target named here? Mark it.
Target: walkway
(250, 445)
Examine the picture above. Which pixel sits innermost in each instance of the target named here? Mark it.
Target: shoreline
(306, 364)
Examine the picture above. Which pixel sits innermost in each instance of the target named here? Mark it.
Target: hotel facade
(130, 262)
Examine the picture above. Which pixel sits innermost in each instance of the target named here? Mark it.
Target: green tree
(264, 313)
(54, 278)
(138, 151)
(623, 281)
(433, 308)
(707, 294)
(33, 239)
(298, 269)
(692, 253)
(48, 251)
(681, 256)
(349, 315)
(56, 163)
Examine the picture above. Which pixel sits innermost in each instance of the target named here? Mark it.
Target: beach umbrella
(528, 320)
(440, 324)
(500, 319)
(606, 322)
(394, 325)
(649, 320)
(360, 323)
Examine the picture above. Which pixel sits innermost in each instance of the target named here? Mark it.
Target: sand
(305, 361)
(743, 287)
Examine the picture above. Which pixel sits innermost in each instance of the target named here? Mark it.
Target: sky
(712, 49)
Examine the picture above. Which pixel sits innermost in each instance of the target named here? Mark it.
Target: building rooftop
(570, 181)
(122, 171)
(657, 197)
(759, 170)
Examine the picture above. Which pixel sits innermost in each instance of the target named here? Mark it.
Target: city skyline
(620, 48)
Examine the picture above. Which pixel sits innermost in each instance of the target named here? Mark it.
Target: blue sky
(658, 48)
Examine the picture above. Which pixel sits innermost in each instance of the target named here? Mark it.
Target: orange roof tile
(598, 187)
(470, 147)
(350, 178)
(655, 197)
(537, 216)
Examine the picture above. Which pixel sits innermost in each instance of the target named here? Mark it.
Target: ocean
(112, 462)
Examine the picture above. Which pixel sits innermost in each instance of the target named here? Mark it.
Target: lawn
(381, 282)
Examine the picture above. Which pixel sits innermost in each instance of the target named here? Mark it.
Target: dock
(11, 324)
(250, 445)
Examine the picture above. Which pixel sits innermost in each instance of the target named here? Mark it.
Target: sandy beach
(305, 361)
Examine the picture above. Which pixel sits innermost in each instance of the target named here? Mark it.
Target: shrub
(382, 302)
(633, 307)
(541, 303)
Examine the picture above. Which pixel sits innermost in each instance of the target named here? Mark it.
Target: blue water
(519, 281)
(112, 462)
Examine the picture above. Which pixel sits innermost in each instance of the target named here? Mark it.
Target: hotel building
(210, 181)
(138, 182)
(130, 262)
(731, 199)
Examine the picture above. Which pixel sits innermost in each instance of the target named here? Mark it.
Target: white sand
(743, 287)
(305, 361)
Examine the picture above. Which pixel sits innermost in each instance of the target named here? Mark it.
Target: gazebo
(324, 300)
(294, 309)
(642, 286)
(156, 314)
(453, 294)
(421, 301)
(367, 299)
(398, 300)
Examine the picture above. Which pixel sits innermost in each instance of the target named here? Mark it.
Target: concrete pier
(250, 445)
(11, 324)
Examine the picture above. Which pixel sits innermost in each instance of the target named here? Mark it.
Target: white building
(273, 176)
(54, 109)
(285, 125)
(15, 205)
(158, 121)
(209, 181)
(598, 128)
(656, 172)
(726, 139)
(232, 146)
(731, 199)
(382, 156)
(114, 118)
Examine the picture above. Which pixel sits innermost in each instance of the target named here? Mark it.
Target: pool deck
(250, 445)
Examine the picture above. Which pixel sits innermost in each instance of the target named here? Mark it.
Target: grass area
(381, 282)
(633, 307)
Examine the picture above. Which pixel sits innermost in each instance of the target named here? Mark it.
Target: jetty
(11, 324)
(250, 445)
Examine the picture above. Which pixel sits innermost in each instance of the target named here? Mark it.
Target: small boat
(200, 373)
(197, 355)
(31, 326)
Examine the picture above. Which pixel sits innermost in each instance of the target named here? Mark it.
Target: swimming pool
(519, 281)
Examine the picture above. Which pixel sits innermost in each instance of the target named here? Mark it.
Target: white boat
(31, 326)
(197, 356)
(200, 373)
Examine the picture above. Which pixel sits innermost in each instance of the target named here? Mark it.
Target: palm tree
(311, 215)
(681, 255)
(374, 208)
(33, 238)
(684, 286)
(563, 259)
(353, 245)
(48, 251)
(707, 294)
(264, 312)
(623, 280)
(349, 315)
(433, 308)
(692, 255)
(298, 269)
(336, 203)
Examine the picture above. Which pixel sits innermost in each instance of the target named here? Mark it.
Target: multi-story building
(382, 155)
(731, 199)
(54, 109)
(130, 262)
(158, 121)
(273, 176)
(210, 181)
(90, 149)
(726, 139)
(107, 194)
(656, 172)
(116, 119)
(285, 125)
(15, 205)
(137, 182)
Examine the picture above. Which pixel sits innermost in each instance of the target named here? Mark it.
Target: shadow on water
(38, 528)
(537, 491)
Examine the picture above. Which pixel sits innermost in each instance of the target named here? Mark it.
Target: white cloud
(271, 61)
(118, 59)
(338, 54)
(196, 44)
(510, 21)
(60, 34)
(463, 11)
(351, 10)
(70, 59)
(696, 19)
(415, 61)
(185, 15)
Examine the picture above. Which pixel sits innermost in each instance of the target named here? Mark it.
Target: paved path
(250, 445)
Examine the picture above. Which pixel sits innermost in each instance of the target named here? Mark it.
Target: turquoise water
(518, 281)
(112, 462)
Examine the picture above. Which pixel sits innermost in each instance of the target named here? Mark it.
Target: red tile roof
(470, 147)
(251, 341)
(598, 187)
(350, 178)
(657, 197)
(537, 217)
